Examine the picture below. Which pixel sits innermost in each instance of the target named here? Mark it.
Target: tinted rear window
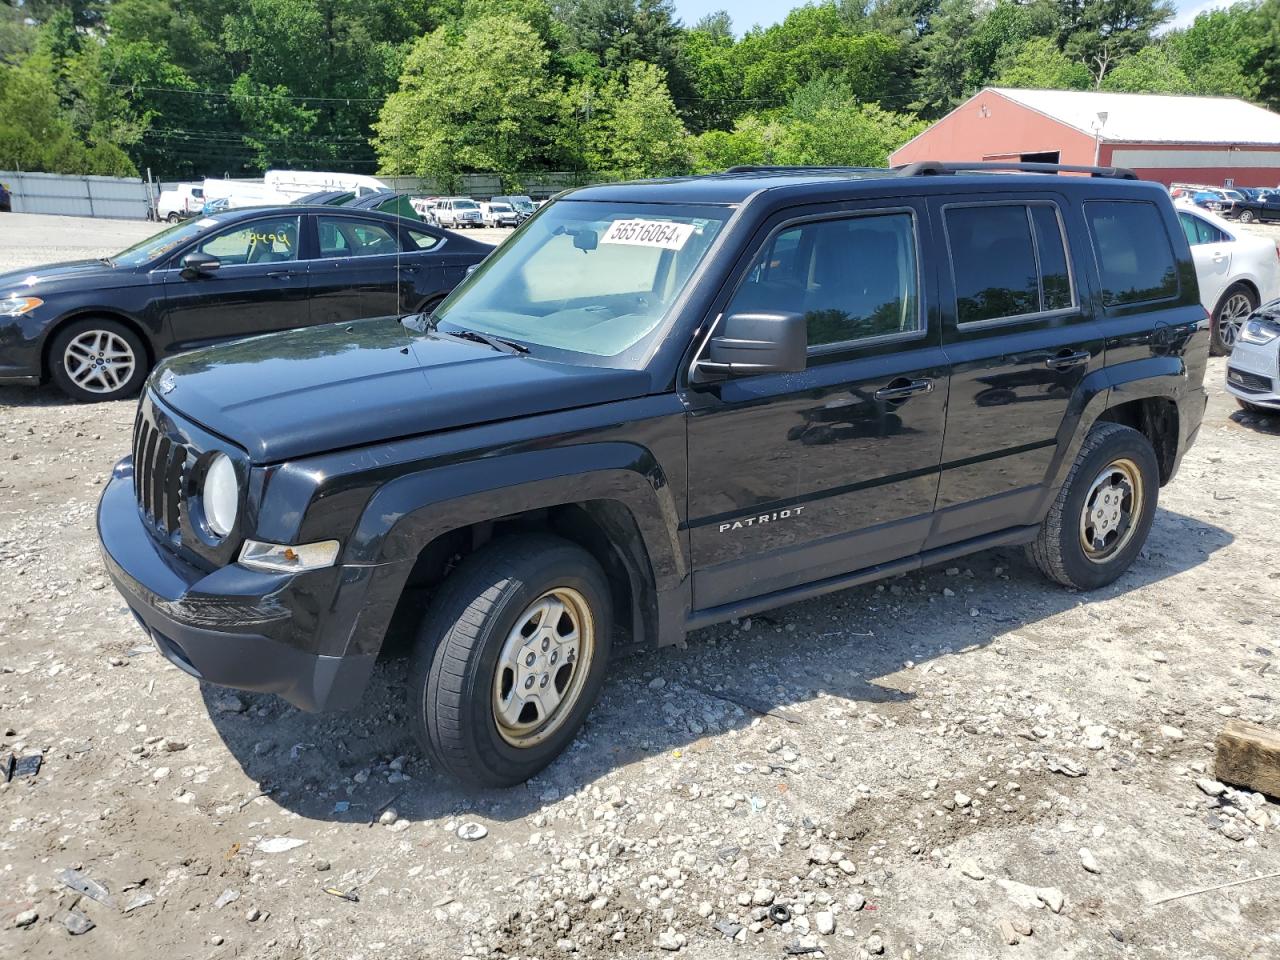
(1135, 257)
(1008, 260)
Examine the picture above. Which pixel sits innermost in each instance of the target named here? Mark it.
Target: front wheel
(93, 360)
(1100, 519)
(510, 658)
(1229, 317)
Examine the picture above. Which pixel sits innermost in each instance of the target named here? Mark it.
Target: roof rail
(799, 168)
(927, 168)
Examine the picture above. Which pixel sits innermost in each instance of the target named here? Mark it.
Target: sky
(746, 13)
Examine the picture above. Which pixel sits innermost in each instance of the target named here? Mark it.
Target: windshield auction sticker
(649, 233)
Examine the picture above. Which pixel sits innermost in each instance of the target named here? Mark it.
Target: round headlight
(221, 495)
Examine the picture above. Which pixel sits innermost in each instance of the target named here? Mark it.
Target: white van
(184, 200)
(298, 183)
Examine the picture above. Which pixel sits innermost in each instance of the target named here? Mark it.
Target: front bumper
(1253, 373)
(234, 627)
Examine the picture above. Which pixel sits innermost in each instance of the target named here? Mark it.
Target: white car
(498, 214)
(1254, 367)
(458, 212)
(1237, 270)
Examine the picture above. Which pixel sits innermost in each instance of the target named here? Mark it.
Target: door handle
(1065, 361)
(902, 388)
(278, 274)
(409, 267)
(1219, 257)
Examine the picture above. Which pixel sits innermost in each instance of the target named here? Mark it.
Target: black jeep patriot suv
(660, 405)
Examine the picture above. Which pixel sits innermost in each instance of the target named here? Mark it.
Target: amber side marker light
(280, 558)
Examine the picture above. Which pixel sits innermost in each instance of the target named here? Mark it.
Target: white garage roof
(1154, 118)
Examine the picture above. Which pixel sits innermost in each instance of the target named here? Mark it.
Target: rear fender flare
(1160, 376)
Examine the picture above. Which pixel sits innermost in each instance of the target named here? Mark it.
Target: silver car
(1253, 370)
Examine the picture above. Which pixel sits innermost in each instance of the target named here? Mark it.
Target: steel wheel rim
(1234, 313)
(1111, 510)
(99, 361)
(543, 667)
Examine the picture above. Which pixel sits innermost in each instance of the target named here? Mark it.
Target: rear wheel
(1247, 216)
(97, 359)
(1229, 317)
(1100, 519)
(510, 659)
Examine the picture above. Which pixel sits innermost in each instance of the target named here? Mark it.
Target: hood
(316, 389)
(33, 280)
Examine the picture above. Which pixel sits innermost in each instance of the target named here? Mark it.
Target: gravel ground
(933, 766)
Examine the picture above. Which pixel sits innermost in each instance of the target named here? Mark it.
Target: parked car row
(96, 327)
(462, 212)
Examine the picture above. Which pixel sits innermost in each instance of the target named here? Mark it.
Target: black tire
(1221, 345)
(1058, 550)
(105, 389)
(174, 217)
(452, 694)
(1246, 216)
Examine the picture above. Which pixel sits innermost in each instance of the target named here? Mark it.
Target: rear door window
(345, 237)
(1200, 231)
(1134, 254)
(1008, 260)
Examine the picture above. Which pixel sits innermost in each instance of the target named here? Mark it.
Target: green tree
(944, 55)
(817, 40)
(479, 100)
(635, 129)
(1150, 70)
(1216, 50)
(714, 73)
(1001, 29)
(1264, 60)
(1037, 63)
(1100, 33)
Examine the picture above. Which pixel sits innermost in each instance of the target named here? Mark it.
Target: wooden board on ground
(1249, 756)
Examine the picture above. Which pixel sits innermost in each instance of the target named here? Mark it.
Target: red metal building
(1204, 140)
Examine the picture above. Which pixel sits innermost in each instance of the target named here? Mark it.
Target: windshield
(523, 204)
(500, 208)
(587, 277)
(464, 205)
(158, 244)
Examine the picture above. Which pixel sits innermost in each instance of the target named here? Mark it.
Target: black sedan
(95, 327)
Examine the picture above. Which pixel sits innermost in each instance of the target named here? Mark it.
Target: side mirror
(751, 343)
(198, 265)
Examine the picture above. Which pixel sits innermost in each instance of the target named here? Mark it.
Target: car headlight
(16, 306)
(1258, 332)
(220, 497)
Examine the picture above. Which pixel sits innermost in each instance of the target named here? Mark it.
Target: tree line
(439, 88)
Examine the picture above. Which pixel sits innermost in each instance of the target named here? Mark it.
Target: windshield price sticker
(649, 233)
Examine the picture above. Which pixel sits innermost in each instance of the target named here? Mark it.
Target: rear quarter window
(1133, 251)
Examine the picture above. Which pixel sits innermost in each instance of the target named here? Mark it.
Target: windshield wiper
(475, 336)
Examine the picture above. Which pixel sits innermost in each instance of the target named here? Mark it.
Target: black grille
(159, 467)
(1249, 382)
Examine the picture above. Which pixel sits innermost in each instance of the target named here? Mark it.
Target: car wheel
(510, 658)
(1100, 518)
(92, 360)
(1229, 317)
(1246, 216)
(173, 218)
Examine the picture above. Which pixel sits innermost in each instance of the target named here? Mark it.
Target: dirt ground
(928, 767)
